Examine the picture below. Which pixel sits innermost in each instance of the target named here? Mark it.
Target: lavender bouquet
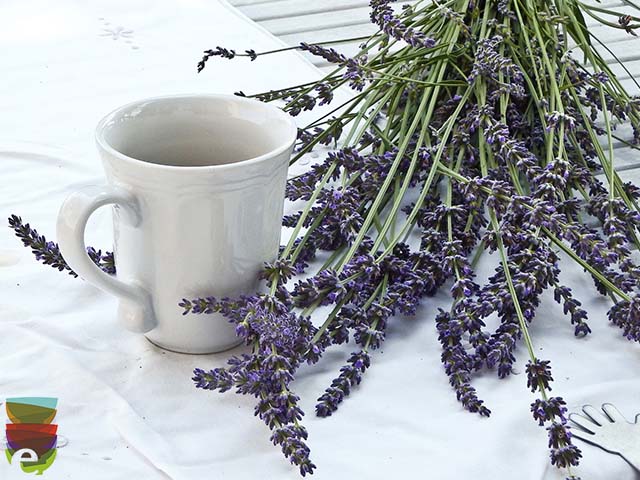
(475, 126)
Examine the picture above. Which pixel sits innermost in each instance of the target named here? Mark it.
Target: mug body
(208, 173)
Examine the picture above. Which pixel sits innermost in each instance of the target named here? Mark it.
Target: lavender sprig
(350, 375)
(382, 14)
(48, 252)
(222, 53)
(279, 339)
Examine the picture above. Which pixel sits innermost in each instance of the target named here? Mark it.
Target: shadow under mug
(197, 187)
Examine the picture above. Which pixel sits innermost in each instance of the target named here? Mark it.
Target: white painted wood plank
(316, 21)
(330, 34)
(627, 50)
(242, 3)
(630, 85)
(612, 36)
(327, 69)
(604, 3)
(292, 8)
(609, 4)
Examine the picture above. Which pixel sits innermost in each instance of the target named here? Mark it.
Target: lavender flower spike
(48, 252)
(329, 54)
(383, 16)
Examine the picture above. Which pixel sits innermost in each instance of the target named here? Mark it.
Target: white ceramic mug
(197, 186)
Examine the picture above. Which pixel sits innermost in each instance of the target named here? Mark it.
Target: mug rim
(104, 145)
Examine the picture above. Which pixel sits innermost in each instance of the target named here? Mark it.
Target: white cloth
(130, 410)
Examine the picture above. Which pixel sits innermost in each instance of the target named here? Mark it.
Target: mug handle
(136, 308)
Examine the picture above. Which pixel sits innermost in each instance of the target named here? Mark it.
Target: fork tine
(595, 415)
(613, 413)
(585, 425)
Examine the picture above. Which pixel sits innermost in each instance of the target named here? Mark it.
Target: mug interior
(196, 131)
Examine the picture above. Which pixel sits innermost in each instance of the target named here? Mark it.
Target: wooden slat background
(295, 21)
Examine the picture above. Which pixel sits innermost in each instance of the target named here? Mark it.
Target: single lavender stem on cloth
(48, 252)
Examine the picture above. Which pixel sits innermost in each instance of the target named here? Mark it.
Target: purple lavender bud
(280, 270)
(355, 73)
(199, 305)
(626, 315)
(382, 14)
(600, 77)
(565, 456)
(496, 133)
(538, 375)
(571, 306)
(299, 103)
(554, 118)
(48, 252)
(458, 364)
(488, 62)
(217, 379)
(350, 375)
(547, 410)
(325, 93)
(217, 52)
(329, 54)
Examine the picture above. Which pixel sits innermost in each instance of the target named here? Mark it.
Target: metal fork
(609, 430)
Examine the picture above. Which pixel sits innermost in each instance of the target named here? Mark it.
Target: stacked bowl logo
(31, 437)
